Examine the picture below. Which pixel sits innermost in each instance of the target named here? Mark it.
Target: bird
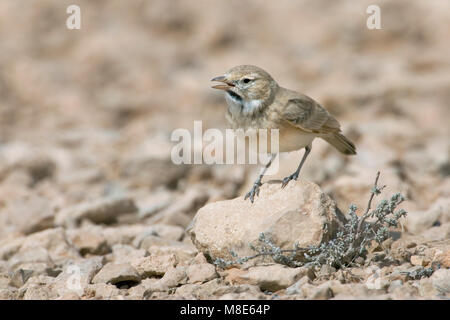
(256, 101)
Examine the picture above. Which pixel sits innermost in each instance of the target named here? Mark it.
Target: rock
(342, 290)
(320, 292)
(270, 278)
(181, 211)
(138, 292)
(115, 273)
(101, 291)
(146, 171)
(32, 214)
(376, 281)
(122, 234)
(10, 246)
(419, 221)
(81, 176)
(242, 296)
(54, 241)
(21, 276)
(122, 253)
(212, 289)
(403, 249)
(38, 293)
(174, 277)
(151, 240)
(419, 261)
(409, 290)
(154, 265)
(184, 252)
(241, 292)
(38, 167)
(40, 223)
(31, 256)
(166, 232)
(89, 241)
(156, 202)
(199, 258)
(426, 288)
(410, 273)
(38, 288)
(441, 281)
(190, 289)
(326, 271)
(438, 233)
(69, 296)
(104, 210)
(5, 279)
(394, 285)
(202, 272)
(171, 279)
(8, 294)
(76, 276)
(442, 205)
(300, 213)
(444, 259)
(296, 288)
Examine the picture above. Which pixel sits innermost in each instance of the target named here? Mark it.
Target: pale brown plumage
(255, 100)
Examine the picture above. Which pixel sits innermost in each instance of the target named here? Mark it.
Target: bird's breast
(291, 139)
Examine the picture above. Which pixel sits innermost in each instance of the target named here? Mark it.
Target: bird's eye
(246, 80)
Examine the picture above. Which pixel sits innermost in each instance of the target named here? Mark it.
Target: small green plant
(351, 240)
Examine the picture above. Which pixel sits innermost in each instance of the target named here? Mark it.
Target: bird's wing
(306, 114)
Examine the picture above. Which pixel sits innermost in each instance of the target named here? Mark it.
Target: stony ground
(91, 206)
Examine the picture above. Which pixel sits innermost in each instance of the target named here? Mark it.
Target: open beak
(225, 86)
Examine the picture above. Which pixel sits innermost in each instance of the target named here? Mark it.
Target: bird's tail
(341, 143)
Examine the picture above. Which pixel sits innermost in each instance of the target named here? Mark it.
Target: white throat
(239, 106)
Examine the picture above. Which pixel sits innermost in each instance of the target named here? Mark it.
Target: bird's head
(247, 85)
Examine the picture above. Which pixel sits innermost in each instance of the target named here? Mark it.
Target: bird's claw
(254, 191)
(286, 180)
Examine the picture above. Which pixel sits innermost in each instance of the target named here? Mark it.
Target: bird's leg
(294, 176)
(255, 189)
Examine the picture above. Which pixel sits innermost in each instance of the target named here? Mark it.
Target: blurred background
(87, 114)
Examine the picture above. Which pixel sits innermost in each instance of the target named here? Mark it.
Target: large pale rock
(441, 281)
(299, 213)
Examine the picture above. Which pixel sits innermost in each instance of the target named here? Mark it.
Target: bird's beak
(227, 85)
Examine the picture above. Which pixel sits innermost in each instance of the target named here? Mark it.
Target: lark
(256, 101)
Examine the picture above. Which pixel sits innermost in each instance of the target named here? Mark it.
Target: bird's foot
(254, 191)
(286, 180)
